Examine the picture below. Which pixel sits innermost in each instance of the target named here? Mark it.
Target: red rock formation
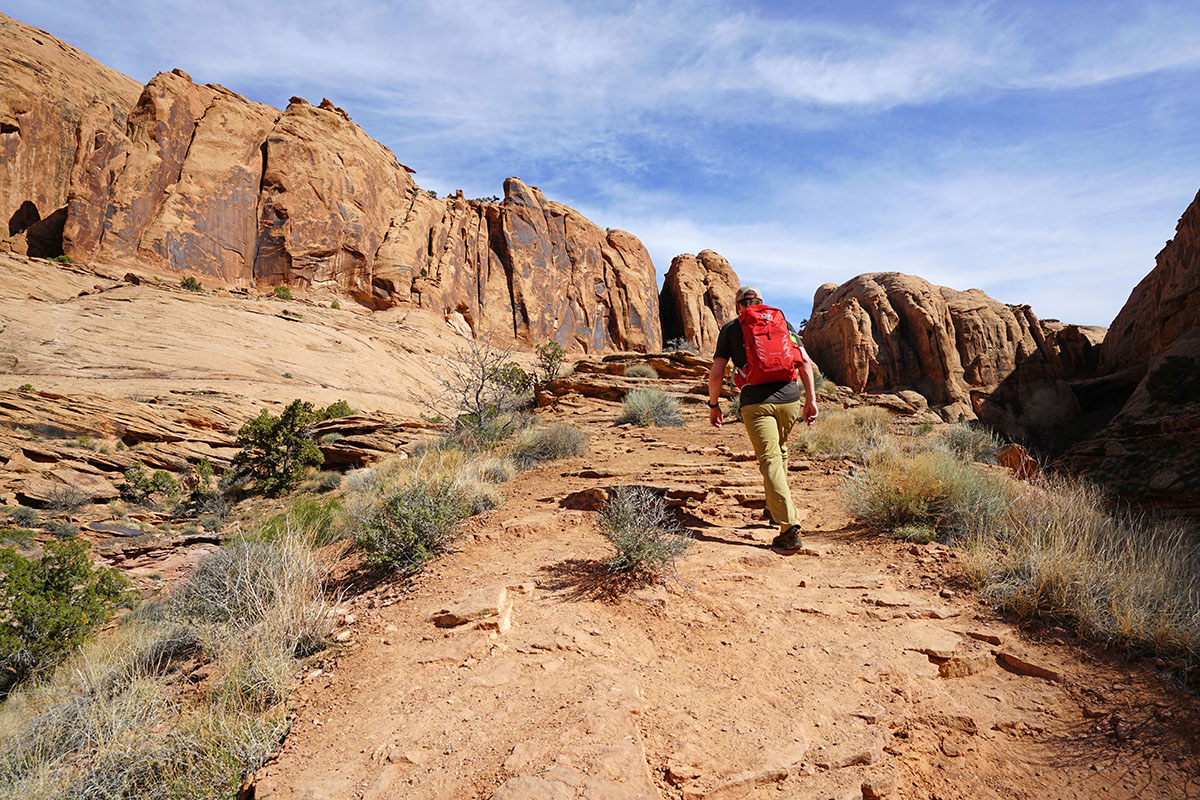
(961, 350)
(196, 179)
(48, 91)
(697, 298)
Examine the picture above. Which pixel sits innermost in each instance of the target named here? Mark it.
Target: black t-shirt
(731, 345)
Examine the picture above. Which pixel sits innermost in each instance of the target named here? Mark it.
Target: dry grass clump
(549, 443)
(851, 433)
(650, 407)
(646, 537)
(640, 371)
(1119, 578)
(972, 442)
(112, 722)
(931, 489)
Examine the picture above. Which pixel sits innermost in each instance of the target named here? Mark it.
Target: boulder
(970, 356)
(697, 298)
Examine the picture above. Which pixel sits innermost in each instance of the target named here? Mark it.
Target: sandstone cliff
(195, 179)
(697, 298)
(1151, 448)
(969, 355)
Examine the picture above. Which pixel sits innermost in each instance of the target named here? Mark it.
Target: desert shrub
(61, 530)
(334, 411)
(680, 345)
(16, 537)
(335, 305)
(190, 284)
(24, 516)
(275, 450)
(1176, 380)
(63, 259)
(141, 488)
(475, 398)
(327, 481)
(925, 428)
(283, 292)
(414, 523)
(735, 409)
(515, 379)
(549, 443)
(851, 433)
(972, 442)
(648, 540)
(66, 497)
(211, 522)
(48, 607)
(640, 371)
(820, 382)
(550, 358)
(650, 407)
(931, 489)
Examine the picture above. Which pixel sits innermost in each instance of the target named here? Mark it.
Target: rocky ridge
(697, 298)
(194, 179)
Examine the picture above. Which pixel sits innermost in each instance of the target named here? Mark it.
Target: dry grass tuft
(548, 444)
(650, 407)
(852, 433)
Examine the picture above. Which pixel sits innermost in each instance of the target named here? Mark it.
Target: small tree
(550, 360)
(275, 450)
(48, 607)
(479, 393)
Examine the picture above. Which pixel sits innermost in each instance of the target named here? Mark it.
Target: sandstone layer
(970, 356)
(697, 298)
(194, 179)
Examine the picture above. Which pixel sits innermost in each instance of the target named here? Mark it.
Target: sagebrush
(650, 407)
(636, 522)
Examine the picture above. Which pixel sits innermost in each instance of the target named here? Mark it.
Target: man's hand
(715, 417)
(810, 410)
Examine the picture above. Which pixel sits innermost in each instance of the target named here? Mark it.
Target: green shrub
(335, 305)
(925, 428)
(24, 516)
(1176, 380)
(141, 488)
(515, 379)
(650, 407)
(48, 607)
(550, 360)
(972, 442)
(63, 259)
(414, 523)
(334, 411)
(735, 409)
(647, 539)
(190, 284)
(548, 444)
(25, 387)
(275, 450)
(16, 537)
(283, 292)
(61, 530)
(475, 397)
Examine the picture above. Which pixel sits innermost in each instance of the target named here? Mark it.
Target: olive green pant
(768, 425)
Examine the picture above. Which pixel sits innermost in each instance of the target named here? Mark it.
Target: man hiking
(770, 397)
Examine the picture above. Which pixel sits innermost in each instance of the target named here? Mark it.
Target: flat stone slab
(931, 640)
(489, 602)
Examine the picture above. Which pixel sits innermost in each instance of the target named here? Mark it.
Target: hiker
(770, 399)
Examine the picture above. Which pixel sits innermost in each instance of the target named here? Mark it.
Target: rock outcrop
(697, 298)
(51, 96)
(971, 356)
(195, 179)
(1150, 361)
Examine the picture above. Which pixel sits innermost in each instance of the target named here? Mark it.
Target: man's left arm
(810, 392)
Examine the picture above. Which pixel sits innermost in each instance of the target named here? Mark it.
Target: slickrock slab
(964, 665)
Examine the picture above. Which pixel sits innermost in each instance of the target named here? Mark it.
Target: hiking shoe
(788, 540)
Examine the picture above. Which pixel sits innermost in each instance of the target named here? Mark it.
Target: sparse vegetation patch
(650, 407)
(648, 540)
(547, 444)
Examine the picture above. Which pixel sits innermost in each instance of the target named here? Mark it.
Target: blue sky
(1039, 151)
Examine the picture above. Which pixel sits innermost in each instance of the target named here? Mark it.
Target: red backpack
(771, 355)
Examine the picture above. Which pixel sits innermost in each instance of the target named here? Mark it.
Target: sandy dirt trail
(860, 667)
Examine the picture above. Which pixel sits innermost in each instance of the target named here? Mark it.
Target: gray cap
(748, 291)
